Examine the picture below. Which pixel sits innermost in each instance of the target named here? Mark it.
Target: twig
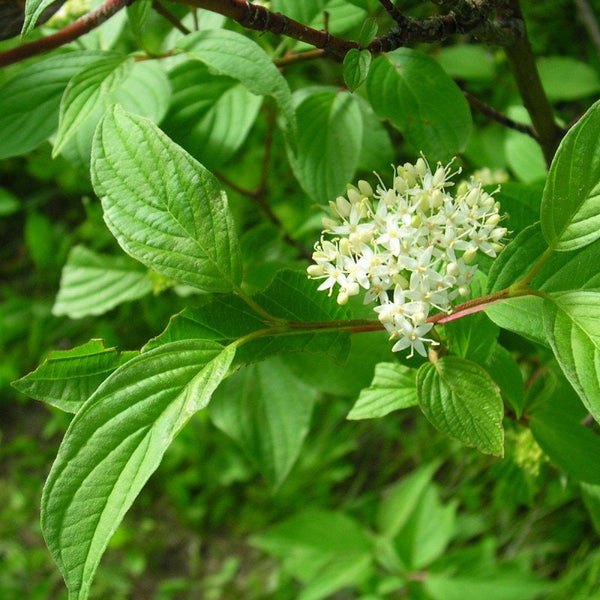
(492, 113)
(589, 21)
(393, 11)
(82, 26)
(295, 58)
(163, 11)
(432, 29)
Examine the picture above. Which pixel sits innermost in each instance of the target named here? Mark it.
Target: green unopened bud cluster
(409, 248)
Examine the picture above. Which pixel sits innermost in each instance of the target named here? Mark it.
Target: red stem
(70, 33)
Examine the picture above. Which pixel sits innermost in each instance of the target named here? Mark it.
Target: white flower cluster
(410, 247)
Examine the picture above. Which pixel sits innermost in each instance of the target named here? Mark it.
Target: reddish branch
(70, 33)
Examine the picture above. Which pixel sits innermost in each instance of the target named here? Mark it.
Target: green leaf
(145, 92)
(427, 533)
(92, 283)
(556, 71)
(503, 584)
(9, 203)
(572, 324)
(266, 410)
(521, 203)
(473, 337)
(29, 102)
(412, 91)
(329, 141)
(291, 296)
(562, 271)
(506, 373)
(113, 445)
(461, 399)
(89, 88)
(356, 67)
(210, 116)
(393, 388)
(470, 62)
(138, 13)
(234, 55)
(377, 152)
(368, 32)
(565, 440)
(591, 498)
(402, 499)
(523, 154)
(324, 563)
(67, 378)
(570, 213)
(33, 11)
(165, 209)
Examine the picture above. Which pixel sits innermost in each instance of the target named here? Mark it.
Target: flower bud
(365, 188)
(469, 255)
(315, 271)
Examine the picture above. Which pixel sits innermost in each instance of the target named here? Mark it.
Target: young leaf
(88, 89)
(165, 209)
(570, 213)
(113, 445)
(329, 140)
(266, 410)
(461, 399)
(92, 284)
(229, 53)
(393, 388)
(210, 116)
(368, 32)
(411, 90)
(572, 324)
(67, 378)
(30, 101)
(356, 67)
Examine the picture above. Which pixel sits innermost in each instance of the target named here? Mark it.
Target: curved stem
(70, 33)
(522, 64)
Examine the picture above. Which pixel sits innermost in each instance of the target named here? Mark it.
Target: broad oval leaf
(572, 324)
(113, 445)
(330, 131)
(461, 399)
(556, 71)
(266, 409)
(570, 212)
(233, 54)
(165, 209)
(411, 90)
(92, 283)
(210, 115)
(86, 90)
(29, 102)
